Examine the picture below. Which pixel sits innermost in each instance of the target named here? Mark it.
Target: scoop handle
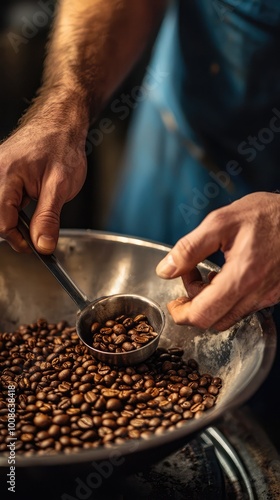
(53, 265)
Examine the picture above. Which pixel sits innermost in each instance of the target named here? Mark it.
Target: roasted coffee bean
(119, 319)
(109, 422)
(85, 387)
(114, 404)
(28, 428)
(41, 435)
(85, 422)
(77, 399)
(141, 339)
(95, 327)
(27, 438)
(143, 397)
(100, 404)
(128, 323)
(193, 376)
(119, 329)
(134, 434)
(186, 405)
(213, 389)
(109, 393)
(139, 318)
(201, 390)
(217, 381)
(54, 430)
(73, 411)
(197, 398)
(188, 414)
(64, 374)
(42, 421)
(46, 408)
(62, 419)
(120, 339)
(138, 423)
(165, 405)
(197, 407)
(110, 323)
(193, 385)
(67, 401)
(127, 346)
(64, 387)
(90, 397)
(65, 440)
(208, 402)
(203, 381)
(64, 404)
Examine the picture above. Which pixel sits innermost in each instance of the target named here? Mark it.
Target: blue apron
(206, 127)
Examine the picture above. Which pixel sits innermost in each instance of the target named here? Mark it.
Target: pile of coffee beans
(122, 334)
(66, 400)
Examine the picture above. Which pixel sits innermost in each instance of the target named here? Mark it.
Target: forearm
(93, 45)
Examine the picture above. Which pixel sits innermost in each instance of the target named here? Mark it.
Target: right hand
(43, 162)
(247, 232)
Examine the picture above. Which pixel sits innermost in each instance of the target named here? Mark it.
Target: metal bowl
(105, 264)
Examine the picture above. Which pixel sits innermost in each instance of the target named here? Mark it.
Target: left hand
(248, 233)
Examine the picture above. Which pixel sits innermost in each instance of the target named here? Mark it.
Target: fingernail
(46, 243)
(166, 268)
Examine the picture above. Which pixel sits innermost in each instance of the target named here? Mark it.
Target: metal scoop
(102, 309)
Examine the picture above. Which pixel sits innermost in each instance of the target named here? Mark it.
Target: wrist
(59, 109)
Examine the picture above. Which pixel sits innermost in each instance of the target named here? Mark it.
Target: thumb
(189, 251)
(44, 226)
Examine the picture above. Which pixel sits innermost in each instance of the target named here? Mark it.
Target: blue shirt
(208, 130)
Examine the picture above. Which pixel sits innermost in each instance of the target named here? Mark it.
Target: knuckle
(200, 320)
(185, 248)
(217, 218)
(63, 185)
(47, 217)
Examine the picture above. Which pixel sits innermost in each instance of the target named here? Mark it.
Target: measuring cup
(101, 309)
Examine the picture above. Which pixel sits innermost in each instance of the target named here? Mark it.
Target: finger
(247, 306)
(17, 242)
(190, 250)
(8, 226)
(215, 301)
(44, 226)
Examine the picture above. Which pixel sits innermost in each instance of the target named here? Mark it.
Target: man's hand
(44, 162)
(248, 233)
